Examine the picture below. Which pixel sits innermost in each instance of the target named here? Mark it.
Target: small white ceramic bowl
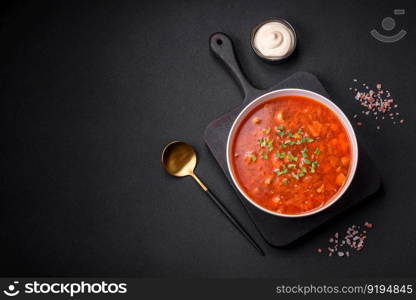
(297, 92)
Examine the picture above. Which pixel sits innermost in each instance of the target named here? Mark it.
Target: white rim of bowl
(314, 96)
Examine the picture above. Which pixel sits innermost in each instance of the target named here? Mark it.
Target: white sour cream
(274, 39)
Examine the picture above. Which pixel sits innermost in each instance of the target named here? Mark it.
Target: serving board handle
(222, 47)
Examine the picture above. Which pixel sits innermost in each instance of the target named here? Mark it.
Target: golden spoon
(179, 159)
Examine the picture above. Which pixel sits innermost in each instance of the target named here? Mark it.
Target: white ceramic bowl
(298, 92)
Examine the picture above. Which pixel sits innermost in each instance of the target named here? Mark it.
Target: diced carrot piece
(276, 199)
(325, 167)
(279, 117)
(333, 126)
(320, 189)
(340, 179)
(324, 130)
(334, 142)
(315, 128)
(333, 160)
(345, 160)
(343, 142)
(256, 120)
(268, 180)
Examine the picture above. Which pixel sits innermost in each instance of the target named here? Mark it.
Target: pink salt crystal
(368, 225)
(379, 86)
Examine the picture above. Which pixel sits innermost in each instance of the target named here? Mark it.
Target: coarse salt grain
(353, 240)
(377, 101)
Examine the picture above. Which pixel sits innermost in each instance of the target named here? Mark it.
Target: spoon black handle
(235, 222)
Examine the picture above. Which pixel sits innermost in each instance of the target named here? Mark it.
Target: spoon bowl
(179, 159)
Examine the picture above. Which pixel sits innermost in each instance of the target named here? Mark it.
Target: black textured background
(90, 91)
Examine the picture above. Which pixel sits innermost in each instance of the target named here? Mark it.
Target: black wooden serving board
(279, 231)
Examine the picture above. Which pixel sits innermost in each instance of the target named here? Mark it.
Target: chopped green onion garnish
(296, 176)
(304, 152)
(265, 142)
(283, 172)
(280, 154)
(309, 140)
(317, 151)
(288, 143)
(313, 167)
(278, 172)
(280, 127)
(291, 166)
(307, 161)
(265, 155)
(262, 142)
(253, 157)
(285, 181)
(291, 157)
